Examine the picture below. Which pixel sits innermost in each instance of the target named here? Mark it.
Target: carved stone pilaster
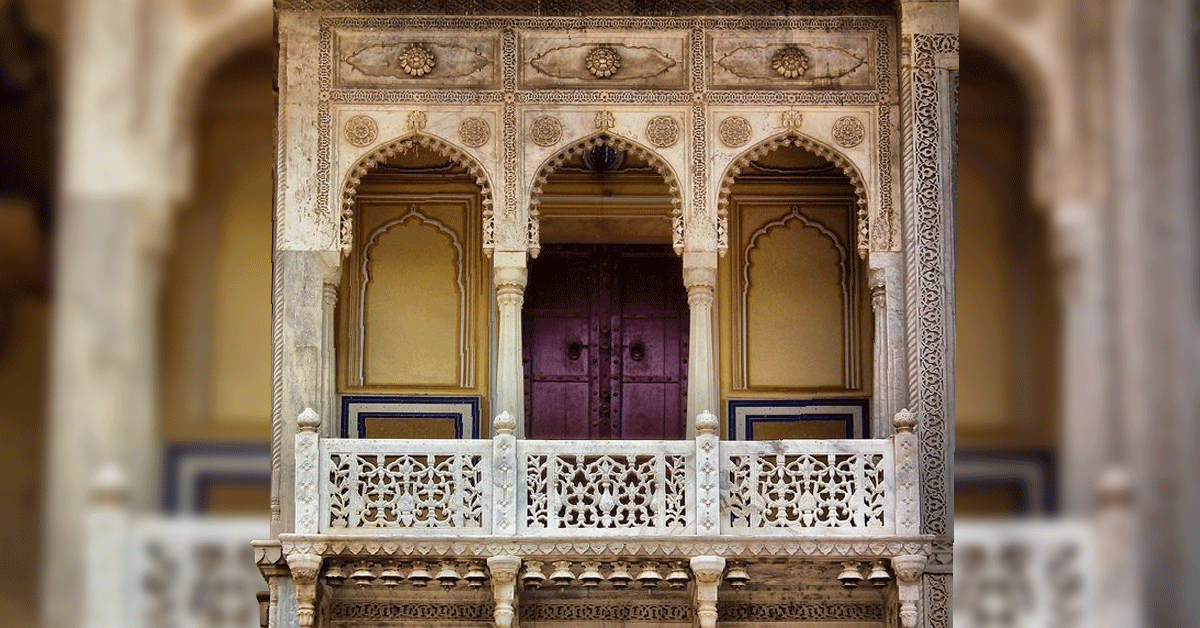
(708, 496)
(908, 570)
(504, 587)
(511, 276)
(504, 461)
(700, 277)
(305, 569)
(708, 570)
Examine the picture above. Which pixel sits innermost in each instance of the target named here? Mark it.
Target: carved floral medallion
(602, 61)
(789, 61)
(416, 60)
(417, 120)
(662, 131)
(361, 130)
(734, 131)
(545, 131)
(474, 132)
(848, 131)
(791, 119)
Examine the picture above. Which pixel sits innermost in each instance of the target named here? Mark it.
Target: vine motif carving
(361, 130)
(806, 610)
(735, 131)
(848, 131)
(474, 132)
(602, 61)
(928, 271)
(805, 491)
(377, 610)
(585, 611)
(662, 131)
(405, 491)
(545, 131)
(416, 60)
(605, 492)
(789, 61)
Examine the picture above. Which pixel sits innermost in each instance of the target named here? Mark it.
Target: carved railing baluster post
(908, 488)
(504, 474)
(708, 570)
(308, 464)
(106, 542)
(504, 588)
(305, 569)
(708, 465)
(908, 570)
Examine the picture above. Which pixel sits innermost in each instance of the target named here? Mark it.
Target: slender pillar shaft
(700, 277)
(511, 275)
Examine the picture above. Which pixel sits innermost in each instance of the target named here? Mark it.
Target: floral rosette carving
(545, 131)
(361, 130)
(848, 131)
(789, 61)
(734, 131)
(602, 61)
(662, 131)
(416, 60)
(474, 132)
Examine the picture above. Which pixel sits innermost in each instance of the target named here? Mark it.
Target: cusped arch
(399, 146)
(611, 140)
(793, 138)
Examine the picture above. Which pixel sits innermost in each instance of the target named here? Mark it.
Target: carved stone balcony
(855, 498)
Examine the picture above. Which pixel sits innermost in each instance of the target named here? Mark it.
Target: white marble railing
(507, 487)
(1026, 574)
(152, 572)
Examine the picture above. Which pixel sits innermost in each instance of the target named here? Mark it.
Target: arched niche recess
(621, 145)
(413, 305)
(797, 140)
(791, 290)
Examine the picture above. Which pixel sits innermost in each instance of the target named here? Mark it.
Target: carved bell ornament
(649, 577)
(475, 576)
(335, 576)
(533, 577)
(362, 575)
(562, 574)
(591, 576)
(391, 576)
(620, 576)
(678, 577)
(850, 576)
(737, 577)
(420, 575)
(448, 576)
(879, 575)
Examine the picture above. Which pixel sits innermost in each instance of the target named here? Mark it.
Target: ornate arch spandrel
(398, 146)
(612, 140)
(792, 138)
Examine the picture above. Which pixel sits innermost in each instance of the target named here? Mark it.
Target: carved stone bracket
(708, 570)
(504, 587)
(908, 570)
(305, 568)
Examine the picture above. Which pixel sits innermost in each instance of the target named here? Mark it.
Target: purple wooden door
(605, 344)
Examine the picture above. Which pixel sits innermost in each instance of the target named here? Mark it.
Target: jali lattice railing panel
(506, 487)
(604, 487)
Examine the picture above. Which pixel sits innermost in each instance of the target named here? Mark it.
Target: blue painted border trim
(177, 453)
(751, 419)
(361, 431)
(1045, 461)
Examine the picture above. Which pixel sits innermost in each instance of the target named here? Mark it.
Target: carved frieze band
(930, 311)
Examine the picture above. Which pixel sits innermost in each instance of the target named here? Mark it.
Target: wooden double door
(605, 343)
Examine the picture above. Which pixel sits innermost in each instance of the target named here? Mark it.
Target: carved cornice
(550, 8)
(766, 548)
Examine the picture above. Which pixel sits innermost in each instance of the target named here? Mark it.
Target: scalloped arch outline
(612, 140)
(799, 140)
(400, 145)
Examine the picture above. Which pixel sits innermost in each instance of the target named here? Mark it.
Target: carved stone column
(886, 281)
(305, 569)
(510, 277)
(504, 588)
(328, 381)
(700, 278)
(708, 570)
(908, 570)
